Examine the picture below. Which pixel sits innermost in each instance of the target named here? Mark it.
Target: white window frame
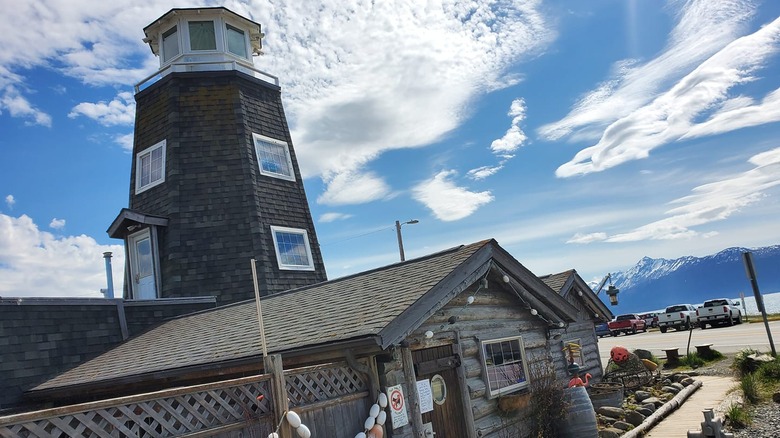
(288, 158)
(489, 368)
(298, 231)
(139, 188)
(217, 37)
(163, 53)
(247, 48)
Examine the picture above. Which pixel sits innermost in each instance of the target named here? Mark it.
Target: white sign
(425, 395)
(395, 399)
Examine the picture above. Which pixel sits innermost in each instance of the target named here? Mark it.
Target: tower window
(170, 44)
(273, 156)
(236, 42)
(150, 167)
(292, 249)
(202, 35)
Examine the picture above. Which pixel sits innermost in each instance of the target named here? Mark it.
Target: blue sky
(579, 135)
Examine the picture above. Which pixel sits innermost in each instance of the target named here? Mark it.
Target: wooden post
(414, 397)
(273, 365)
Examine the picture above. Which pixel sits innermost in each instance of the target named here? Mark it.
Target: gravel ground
(766, 415)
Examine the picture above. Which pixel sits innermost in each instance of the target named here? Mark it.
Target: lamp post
(400, 239)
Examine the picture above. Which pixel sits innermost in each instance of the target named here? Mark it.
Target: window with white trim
(292, 248)
(202, 35)
(236, 41)
(170, 44)
(273, 157)
(504, 364)
(150, 167)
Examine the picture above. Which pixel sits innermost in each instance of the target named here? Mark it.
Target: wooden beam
(273, 364)
(413, 397)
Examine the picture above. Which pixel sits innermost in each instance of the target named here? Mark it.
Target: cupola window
(170, 44)
(202, 36)
(236, 42)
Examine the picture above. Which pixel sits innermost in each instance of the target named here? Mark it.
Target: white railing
(184, 66)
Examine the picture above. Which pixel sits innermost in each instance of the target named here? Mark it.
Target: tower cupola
(204, 39)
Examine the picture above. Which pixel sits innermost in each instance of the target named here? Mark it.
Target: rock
(670, 389)
(645, 411)
(605, 420)
(680, 377)
(610, 411)
(666, 382)
(634, 418)
(679, 386)
(655, 402)
(776, 397)
(622, 425)
(610, 432)
(641, 396)
(643, 354)
(688, 381)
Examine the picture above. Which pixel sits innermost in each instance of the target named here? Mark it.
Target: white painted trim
(148, 151)
(305, 234)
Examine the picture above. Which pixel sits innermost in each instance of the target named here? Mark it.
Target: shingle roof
(557, 281)
(564, 282)
(360, 305)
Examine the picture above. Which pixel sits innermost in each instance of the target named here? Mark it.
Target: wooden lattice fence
(331, 398)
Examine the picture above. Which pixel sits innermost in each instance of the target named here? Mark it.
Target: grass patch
(692, 360)
(743, 365)
(737, 416)
(751, 388)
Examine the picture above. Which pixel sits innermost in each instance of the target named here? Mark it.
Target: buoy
(374, 410)
(381, 418)
(273, 435)
(383, 400)
(303, 431)
(293, 419)
(376, 432)
(370, 422)
(361, 435)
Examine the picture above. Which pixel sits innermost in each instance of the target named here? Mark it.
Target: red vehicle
(627, 323)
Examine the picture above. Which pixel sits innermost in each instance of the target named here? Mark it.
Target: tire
(703, 325)
(730, 321)
(687, 325)
(739, 319)
(614, 334)
(663, 329)
(633, 329)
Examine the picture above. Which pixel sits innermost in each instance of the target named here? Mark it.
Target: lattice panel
(322, 383)
(155, 418)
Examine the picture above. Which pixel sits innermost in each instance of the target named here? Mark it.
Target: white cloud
(447, 201)
(671, 116)
(18, 106)
(514, 136)
(587, 238)
(10, 201)
(353, 188)
(126, 141)
(704, 28)
(35, 263)
(120, 111)
(332, 217)
(483, 172)
(708, 203)
(57, 224)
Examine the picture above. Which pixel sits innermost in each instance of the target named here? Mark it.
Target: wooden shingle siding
(220, 208)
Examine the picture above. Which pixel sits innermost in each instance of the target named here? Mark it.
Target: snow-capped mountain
(653, 284)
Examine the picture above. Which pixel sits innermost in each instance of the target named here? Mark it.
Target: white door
(142, 266)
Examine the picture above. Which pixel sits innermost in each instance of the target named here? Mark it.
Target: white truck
(720, 311)
(679, 317)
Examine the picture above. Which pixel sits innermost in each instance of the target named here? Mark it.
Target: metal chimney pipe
(109, 275)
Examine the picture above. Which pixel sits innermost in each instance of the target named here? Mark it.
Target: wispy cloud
(120, 111)
(333, 216)
(708, 203)
(10, 201)
(19, 106)
(704, 27)
(446, 200)
(514, 136)
(126, 141)
(32, 261)
(673, 115)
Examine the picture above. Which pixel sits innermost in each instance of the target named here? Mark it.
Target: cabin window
(273, 156)
(170, 44)
(505, 367)
(292, 249)
(150, 167)
(236, 42)
(202, 36)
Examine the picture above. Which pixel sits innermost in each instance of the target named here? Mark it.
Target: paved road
(724, 339)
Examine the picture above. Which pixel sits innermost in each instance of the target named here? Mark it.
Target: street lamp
(400, 239)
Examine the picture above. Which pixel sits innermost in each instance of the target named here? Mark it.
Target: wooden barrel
(606, 394)
(580, 421)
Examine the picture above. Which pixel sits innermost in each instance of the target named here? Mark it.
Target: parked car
(651, 319)
(602, 329)
(678, 317)
(628, 323)
(720, 311)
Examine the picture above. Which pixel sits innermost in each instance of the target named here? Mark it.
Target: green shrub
(751, 388)
(769, 371)
(692, 360)
(737, 416)
(711, 355)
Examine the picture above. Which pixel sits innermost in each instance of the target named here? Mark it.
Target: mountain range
(654, 284)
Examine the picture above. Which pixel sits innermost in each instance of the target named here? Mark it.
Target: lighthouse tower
(214, 180)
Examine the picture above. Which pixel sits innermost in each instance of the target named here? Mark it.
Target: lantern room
(204, 39)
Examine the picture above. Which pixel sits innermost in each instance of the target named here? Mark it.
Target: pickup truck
(678, 317)
(718, 311)
(628, 323)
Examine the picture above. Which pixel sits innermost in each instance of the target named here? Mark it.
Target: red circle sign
(396, 400)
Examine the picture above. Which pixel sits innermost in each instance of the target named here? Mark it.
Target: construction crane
(612, 291)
